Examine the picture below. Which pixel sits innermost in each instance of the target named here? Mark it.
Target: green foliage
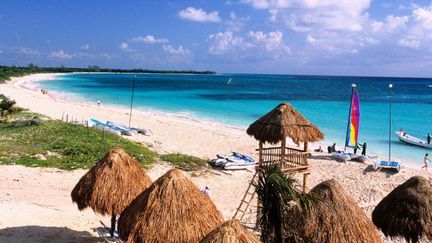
(7, 72)
(279, 194)
(185, 162)
(50, 143)
(7, 105)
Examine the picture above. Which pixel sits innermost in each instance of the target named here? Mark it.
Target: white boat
(406, 138)
(341, 156)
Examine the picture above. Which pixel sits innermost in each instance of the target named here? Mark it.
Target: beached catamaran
(353, 126)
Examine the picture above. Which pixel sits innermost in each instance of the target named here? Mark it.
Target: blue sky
(339, 37)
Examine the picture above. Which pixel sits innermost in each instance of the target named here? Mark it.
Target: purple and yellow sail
(354, 120)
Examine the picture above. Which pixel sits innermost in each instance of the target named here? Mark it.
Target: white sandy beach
(35, 203)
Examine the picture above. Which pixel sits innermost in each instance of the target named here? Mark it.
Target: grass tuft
(185, 162)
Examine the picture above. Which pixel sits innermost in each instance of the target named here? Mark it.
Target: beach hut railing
(291, 159)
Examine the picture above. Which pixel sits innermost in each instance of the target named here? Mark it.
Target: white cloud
(149, 39)
(236, 23)
(307, 15)
(272, 40)
(256, 44)
(199, 15)
(423, 16)
(273, 15)
(332, 43)
(175, 51)
(390, 25)
(415, 44)
(224, 41)
(61, 54)
(27, 51)
(85, 46)
(310, 39)
(124, 45)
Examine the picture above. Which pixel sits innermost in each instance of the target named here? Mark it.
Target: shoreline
(67, 97)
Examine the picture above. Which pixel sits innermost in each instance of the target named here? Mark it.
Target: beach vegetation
(280, 195)
(185, 162)
(7, 108)
(7, 72)
(34, 140)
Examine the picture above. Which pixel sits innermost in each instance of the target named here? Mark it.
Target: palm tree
(279, 194)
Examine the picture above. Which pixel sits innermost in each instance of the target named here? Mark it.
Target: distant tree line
(6, 72)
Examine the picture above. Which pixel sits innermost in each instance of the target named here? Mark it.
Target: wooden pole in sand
(131, 105)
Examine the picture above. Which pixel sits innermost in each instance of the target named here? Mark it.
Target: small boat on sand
(109, 126)
(406, 138)
(341, 156)
(235, 161)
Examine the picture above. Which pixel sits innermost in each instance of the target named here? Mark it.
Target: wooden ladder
(246, 200)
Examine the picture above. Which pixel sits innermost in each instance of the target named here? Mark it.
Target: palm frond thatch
(172, 209)
(284, 121)
(231, 231)
(110, 185)
(334, 217)
(406, 211)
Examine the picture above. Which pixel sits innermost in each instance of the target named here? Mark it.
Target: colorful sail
(354, 120)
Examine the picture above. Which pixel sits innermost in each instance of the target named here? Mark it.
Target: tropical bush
(279, 194)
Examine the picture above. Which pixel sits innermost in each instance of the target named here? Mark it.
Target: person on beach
(356, 147)
(333, 148)
(98, 103)
(426, 161)
(206, 191)
(364, 147)
(428, 138)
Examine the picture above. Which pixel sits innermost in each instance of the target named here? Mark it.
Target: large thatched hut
(406, 211)
(274, 127)
(172, 209)
(284, 121)
(334, 217)
(111, 185)
(232, 232)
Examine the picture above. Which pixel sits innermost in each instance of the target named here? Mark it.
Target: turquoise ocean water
(324, 100)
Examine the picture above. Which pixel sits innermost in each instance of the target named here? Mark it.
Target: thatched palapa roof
(231, 232)
(334, 217)
(172, 209)
(110, 185)
(284, 121)
(406, 211)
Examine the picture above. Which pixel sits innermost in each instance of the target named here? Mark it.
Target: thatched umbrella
(111, 185)
(334, 217)
(172, 209)
(406, 211)
(231, 231)
(284, 121)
